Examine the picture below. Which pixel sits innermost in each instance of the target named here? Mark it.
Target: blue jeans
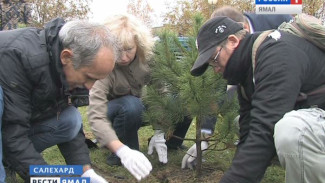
(56, 130)
(125, 113)
(2, 170)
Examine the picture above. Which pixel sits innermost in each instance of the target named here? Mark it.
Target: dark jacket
(262, 22)
(34, 90)
(286, 65)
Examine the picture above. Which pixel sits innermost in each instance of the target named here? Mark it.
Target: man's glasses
(215, 63)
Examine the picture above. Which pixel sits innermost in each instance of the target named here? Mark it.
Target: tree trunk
(198, 146)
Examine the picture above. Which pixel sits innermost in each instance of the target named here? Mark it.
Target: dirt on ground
(210, 173)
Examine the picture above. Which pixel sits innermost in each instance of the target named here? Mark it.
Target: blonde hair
(128, 28)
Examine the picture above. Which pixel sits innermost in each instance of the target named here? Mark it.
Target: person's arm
(97, 115)
(244, 113)
(17, 88)
(114, 145)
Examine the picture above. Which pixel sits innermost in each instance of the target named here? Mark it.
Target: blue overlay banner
(55, 170)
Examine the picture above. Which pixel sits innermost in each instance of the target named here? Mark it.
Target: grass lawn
(215, 162)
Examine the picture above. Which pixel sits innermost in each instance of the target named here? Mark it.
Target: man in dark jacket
(40, 73)
(271, 121)
(251, 22)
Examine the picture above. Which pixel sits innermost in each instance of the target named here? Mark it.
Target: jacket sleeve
(97, 112)
(278, 78)
(244, 113)
(18, 148)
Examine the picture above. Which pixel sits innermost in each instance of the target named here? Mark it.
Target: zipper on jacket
(58, 112)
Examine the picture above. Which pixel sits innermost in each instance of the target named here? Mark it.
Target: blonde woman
(116, 108)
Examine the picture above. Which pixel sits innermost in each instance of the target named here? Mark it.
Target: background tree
(141, 9)
(21, 13)
(45, 10)
(14, 14)
(174, 93)
(179, 17)
(314, 7)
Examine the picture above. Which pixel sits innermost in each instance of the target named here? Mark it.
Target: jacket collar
(240, 63)
(54, 48)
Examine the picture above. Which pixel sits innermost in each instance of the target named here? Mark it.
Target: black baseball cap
(210, 35)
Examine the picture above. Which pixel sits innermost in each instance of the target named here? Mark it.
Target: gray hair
(240, 34)
(85, 39)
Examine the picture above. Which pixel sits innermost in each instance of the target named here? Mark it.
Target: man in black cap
(271, 120)
(252, 22)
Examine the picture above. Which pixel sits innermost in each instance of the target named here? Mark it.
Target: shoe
(92, 144)
(181, 147)
(113, 160)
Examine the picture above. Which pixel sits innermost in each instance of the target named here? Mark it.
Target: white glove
(94, 177)
(190, 156)
(158, 142)
(135, 162)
